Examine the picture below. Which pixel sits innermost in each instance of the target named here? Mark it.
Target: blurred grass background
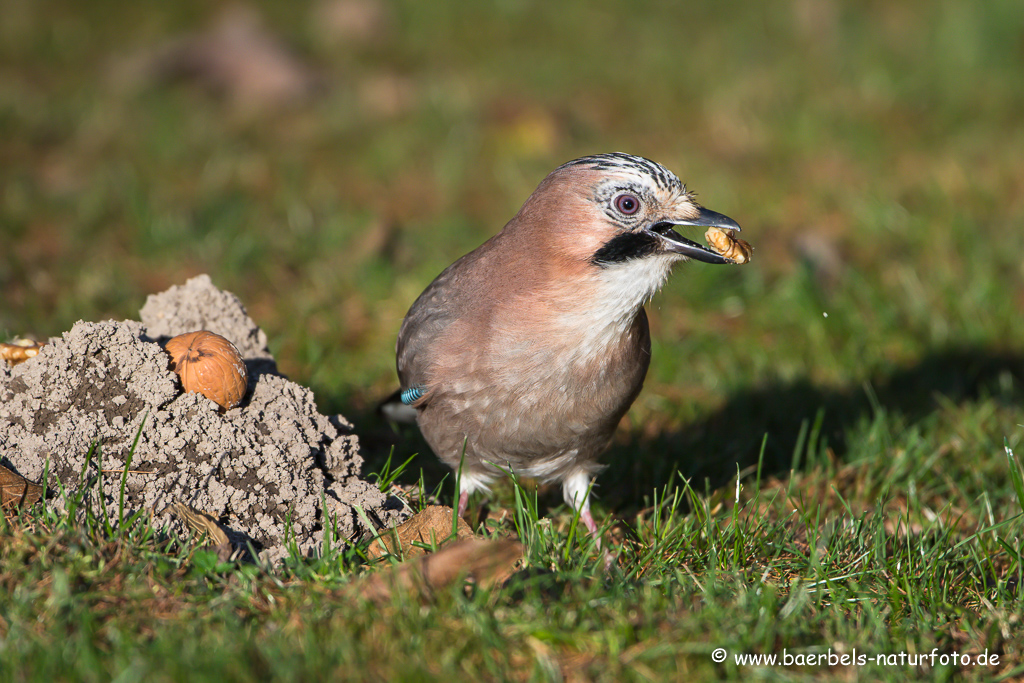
(324, 160)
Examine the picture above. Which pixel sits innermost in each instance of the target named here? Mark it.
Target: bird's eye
(627, 204)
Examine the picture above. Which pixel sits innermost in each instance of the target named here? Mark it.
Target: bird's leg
(576, 490)
(588, 521)
(464, 501)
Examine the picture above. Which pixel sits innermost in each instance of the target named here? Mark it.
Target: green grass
(792, 567)
(877, 508)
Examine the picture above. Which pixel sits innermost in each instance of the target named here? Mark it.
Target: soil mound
(265, 470)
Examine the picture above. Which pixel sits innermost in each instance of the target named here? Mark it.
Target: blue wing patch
(412, 394)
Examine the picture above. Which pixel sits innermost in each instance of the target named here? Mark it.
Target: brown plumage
(526, 352)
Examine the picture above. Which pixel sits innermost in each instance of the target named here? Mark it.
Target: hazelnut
(722, 241)
(211, 365)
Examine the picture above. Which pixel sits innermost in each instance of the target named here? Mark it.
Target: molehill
(267, 470)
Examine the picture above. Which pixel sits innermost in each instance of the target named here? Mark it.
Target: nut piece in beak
(731, 248)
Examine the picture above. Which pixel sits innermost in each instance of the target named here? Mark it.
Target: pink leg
(588, 521)
(576, 492)
(463, 502)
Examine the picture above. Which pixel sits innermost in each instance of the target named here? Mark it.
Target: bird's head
(615, 216)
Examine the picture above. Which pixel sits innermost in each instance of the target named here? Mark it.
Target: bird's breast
(542, 392)
(545, 366)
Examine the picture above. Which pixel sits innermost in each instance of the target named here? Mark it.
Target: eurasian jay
(524, 354)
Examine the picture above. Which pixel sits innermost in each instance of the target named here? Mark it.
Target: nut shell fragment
(722, 241)
(20, 350)
(209, 364)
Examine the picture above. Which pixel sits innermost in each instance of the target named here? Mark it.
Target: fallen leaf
(485, 562)
(239, 58)
(431, 527)
(17, 491)
(347, 22)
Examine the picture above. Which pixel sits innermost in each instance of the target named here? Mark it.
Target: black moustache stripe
(626, 247)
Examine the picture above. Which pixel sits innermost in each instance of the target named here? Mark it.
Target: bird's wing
(421, 337)
(452, 315)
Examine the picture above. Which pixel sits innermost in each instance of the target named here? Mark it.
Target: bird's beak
(676, 243)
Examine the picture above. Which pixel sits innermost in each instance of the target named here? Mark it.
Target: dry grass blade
(17, 491)
(485, 562)
(203, 523)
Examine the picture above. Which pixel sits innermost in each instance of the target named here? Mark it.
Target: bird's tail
(394, 410)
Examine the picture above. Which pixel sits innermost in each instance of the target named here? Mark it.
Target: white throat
(615, 297)
(624, 287)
